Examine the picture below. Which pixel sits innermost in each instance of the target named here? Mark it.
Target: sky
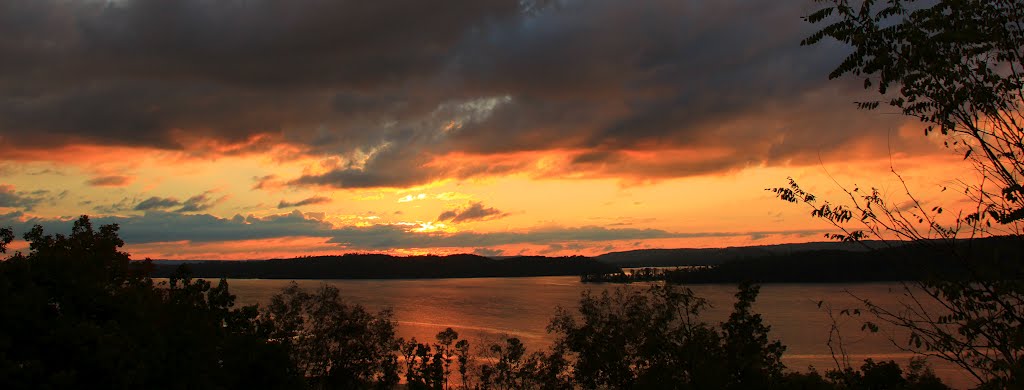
(248, 129)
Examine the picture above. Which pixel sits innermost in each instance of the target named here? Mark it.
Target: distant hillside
(715, 256)
(379, 266)
(807, 262)
(992, 258)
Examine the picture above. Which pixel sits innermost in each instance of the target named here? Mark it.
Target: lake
(484, 310)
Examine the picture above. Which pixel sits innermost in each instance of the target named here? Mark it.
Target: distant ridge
(800, 262)
(381, 266)
(716, 256)
(689, 255)
(994, 258)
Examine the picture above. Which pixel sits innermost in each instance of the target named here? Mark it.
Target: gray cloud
(475, 211)
(11, 198)
(201, 202)
(124, 204)
(109, 181)
(488, 252)
(305, 202)
(157, 203)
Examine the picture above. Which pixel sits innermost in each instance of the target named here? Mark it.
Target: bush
(77, 313)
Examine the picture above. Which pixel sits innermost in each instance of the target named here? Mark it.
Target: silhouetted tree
(77, 313)
(334, 344)
(510, 367)
(636, 339)
(424, 368)
(6, 237)
(887, 375)
(463, 358)
(955, 66)
(445, 353)
(429, 366)
(753, 360)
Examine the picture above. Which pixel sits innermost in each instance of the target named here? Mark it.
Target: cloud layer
(160, 227)
(645, 88)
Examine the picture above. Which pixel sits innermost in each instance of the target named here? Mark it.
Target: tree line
(916, 262)
(382, 266)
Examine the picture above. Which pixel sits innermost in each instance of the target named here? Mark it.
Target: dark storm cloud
(304, 202)
(136, 71)
(661, 75)
(475, 211)
(605, 76)
(404, 82)
(153, 227)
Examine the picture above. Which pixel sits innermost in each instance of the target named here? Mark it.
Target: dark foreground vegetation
(378, 266)
(77, 313)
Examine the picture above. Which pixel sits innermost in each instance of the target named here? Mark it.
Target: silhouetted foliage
(654, 338)
(334, 344)
(887, 375)
(642, 339)
(77, 313)
(953, 64)
(511, 367)
(6, 237)
(753, 360)
(429, 367)
(956, 67)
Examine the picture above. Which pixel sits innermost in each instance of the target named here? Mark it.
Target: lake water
(484, 310)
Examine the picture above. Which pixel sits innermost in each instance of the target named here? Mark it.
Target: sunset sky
(276, 128)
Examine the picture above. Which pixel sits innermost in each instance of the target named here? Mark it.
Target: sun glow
(433, 227)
